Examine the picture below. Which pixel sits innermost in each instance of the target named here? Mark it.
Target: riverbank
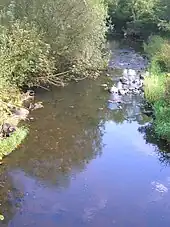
(13, 112)
(10, 115)
(148, 20)
(37, 53)
(157, 85)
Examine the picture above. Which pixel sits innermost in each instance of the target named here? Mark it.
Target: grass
(154, 87)
(10, 144)
(162, 121)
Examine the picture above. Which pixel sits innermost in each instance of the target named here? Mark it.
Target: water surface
(87, 162)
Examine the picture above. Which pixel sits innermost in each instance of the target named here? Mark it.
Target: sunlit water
(87, 163)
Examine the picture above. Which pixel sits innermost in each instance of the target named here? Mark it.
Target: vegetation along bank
(149, 20)
(45, 43)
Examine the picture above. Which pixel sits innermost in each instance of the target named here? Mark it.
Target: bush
(74, 28)
(24, 57)
(135, 17)
(158, 50)
(153, 45)
(9, 96)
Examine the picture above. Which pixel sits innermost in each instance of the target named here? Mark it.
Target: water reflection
(162, 148)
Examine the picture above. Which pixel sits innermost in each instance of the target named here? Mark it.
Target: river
(87, 162)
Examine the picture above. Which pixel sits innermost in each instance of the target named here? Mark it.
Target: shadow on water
(162, 148)
(87, 162)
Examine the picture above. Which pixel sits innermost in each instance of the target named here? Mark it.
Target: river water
(88, 162)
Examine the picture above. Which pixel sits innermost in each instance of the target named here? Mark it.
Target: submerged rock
(29, 95)
(36, 106)
(124, 80)
(21, 113)
(115, 98)
(125, 73)
(113, 89)
(104, 85)
(122, 92)
(119, 86)
(113, 105)
(132, 72)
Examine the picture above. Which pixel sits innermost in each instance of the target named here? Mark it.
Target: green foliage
(9, 96)
(44, 42)
(158, 50)
(153, 46)
(154, 87)
(24, 57)
(145, 15)
(157, 85)
(162, 121)
(74, 29)
(10, 144)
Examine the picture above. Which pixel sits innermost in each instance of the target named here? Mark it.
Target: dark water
(87, 163)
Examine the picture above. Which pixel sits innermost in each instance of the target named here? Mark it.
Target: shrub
(24, 57)
(74, 28)
(153, 46)
(9, 96)
(158, 50)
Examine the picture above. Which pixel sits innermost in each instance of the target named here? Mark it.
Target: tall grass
(162, 121)
(154, 87)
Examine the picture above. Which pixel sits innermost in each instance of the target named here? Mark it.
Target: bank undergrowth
(157, 85)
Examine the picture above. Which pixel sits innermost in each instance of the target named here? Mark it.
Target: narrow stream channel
(87, 162)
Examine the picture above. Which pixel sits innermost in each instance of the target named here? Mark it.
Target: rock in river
(6, 130)
(21, 113)
(119, 85)
(131, 72)
(122, 92)
(114, 89)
